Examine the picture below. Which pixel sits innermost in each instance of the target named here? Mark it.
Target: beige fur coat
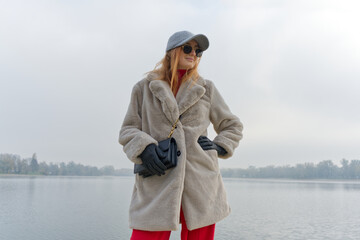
(196, 183)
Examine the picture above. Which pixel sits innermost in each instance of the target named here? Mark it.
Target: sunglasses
(187, 49)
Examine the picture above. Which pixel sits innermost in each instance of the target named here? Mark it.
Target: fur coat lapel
(161, 90)
(188, 94)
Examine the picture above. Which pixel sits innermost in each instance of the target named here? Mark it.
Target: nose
(192, 53)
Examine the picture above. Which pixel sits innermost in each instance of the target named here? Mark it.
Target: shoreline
(318, 180)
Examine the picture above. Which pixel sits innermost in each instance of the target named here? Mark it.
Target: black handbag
(169, 148)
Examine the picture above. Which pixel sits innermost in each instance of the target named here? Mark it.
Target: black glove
(207, 144)
(150, 158)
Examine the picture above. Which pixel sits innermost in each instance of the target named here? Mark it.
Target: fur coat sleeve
(226, 125)
(131, 136)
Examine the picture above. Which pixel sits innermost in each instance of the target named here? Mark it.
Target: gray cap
(182, 37)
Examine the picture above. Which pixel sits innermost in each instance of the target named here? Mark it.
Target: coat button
(178, 153)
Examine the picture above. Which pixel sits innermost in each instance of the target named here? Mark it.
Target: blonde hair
(167, 68)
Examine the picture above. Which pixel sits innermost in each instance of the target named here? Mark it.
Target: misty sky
(290, 70)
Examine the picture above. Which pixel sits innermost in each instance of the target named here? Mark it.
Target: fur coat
(195, 184)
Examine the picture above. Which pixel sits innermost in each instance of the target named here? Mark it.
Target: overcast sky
(290, 70)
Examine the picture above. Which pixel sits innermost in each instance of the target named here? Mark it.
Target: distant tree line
(323, 170)
(14, 164)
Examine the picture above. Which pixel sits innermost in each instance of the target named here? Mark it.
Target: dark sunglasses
(188, 49)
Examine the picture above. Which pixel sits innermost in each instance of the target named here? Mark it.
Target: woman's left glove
(207, 144)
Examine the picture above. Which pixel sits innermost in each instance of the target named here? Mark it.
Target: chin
(190, 66)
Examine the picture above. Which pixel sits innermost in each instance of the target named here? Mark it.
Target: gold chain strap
(173, 128)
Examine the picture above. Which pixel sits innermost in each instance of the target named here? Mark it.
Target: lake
(94, 208)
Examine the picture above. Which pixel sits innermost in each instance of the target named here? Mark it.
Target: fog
(288, 69)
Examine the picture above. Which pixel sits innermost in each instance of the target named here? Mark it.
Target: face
(187, 61)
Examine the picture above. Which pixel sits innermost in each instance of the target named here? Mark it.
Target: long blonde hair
(167, 68)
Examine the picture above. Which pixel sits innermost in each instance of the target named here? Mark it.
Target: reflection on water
(306, 184)
(64, 208)
(97, 208)
(287, 209)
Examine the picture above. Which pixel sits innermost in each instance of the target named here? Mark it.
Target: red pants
(204, 233)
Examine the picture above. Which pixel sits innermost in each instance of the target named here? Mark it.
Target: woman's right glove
(150, 158)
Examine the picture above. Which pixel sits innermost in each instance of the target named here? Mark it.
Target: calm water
(92, 208)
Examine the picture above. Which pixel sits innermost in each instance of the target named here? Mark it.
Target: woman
(193, 192)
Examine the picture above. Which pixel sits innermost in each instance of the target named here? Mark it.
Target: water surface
(92, 208)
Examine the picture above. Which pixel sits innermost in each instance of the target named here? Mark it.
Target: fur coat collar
(189, 93)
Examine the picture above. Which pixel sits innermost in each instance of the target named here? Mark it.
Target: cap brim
(201, 40)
